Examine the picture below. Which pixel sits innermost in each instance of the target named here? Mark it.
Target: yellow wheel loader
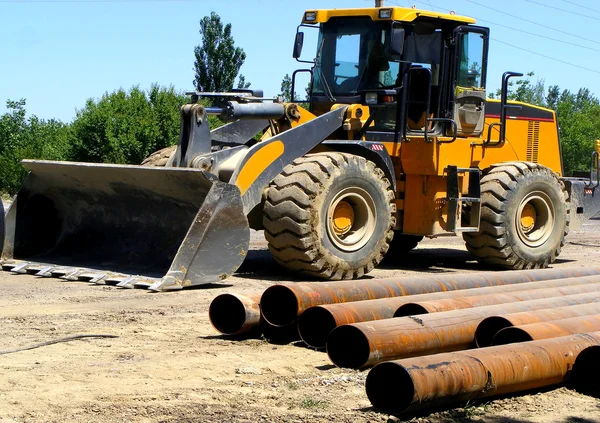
(398, 142)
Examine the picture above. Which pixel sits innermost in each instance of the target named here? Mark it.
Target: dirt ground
(169, 365)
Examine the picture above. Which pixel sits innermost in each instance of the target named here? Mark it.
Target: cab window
(471, 60)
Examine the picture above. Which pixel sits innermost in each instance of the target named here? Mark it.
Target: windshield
(352, 57)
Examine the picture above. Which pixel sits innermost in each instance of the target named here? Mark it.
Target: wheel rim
(351, 219)
(535, 219)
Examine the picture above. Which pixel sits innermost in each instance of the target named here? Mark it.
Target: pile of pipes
(533, 328)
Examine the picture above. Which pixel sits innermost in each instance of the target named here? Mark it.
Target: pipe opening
(488, 328)
(511, 335)
(390, 388)
(315, 324)
(410, 309)
(227, 314)
(279, 305)
(586, 371)
(347, 346)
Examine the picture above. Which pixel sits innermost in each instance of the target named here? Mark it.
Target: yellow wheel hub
(343, 218)
(528, 216)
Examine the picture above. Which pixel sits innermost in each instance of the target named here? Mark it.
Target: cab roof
(399, 14)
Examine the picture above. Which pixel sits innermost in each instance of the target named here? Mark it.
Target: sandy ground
(169, 365)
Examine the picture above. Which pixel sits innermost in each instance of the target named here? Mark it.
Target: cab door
(470, 69)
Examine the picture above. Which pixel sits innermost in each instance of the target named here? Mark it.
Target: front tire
(524, 217)
(330, 215)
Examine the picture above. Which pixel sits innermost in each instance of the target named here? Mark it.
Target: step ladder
(470, 210)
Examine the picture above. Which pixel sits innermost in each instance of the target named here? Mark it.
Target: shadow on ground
(260, 264)
(478, 410)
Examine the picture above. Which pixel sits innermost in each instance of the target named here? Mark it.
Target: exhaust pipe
(316, 323)
(490, 326)
(545, 330)
(235, 314)
(398, 386)
(361, 345)
(282, 304)
(585, 284)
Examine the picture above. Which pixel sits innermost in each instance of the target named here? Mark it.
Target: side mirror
(397, 42)
(298, 45)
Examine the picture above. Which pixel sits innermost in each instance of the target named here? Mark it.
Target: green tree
(125, 127)
(218, 60)
(286, 88)
(579, 123)
(286, 91)
(242, 84)
(525, 91)
(27, 138)
(552, 97)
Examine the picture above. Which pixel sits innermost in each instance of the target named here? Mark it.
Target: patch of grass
(311, 403)
(292, 386)
(470, 411)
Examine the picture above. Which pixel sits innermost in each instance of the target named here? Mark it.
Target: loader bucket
(161, 228)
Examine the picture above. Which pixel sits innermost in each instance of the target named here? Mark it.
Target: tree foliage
(286, 91)
(242, 84)
(579, 120)
(27, 138)
(218, 60)
(286, 88)
(126, 126)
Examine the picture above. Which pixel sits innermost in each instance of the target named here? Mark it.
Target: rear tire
(330, 215)
(160, 157)
(524, 217)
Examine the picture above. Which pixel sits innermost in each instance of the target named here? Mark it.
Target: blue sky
(58, 53)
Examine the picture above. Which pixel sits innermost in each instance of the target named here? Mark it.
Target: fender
(373, 151)
(266, 159)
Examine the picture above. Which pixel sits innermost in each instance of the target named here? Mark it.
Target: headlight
(371, 98)
(385, 13)
(310, 16)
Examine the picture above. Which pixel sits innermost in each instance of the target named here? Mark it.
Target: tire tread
(490, 245)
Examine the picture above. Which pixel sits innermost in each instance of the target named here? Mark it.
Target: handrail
(504, 107)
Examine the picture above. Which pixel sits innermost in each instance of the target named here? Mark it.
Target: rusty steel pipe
(587, 284)
(490, 326)
(317, 322)
(545, 330)
(360, 345)
(235, 314)
(397, 386)
(282, 304)
(586, 371)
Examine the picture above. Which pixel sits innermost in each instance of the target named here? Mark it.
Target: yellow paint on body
(257, 164)
(398, 14)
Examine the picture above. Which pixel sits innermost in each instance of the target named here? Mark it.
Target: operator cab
(421, 74)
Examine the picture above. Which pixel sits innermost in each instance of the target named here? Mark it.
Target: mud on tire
(524, 217)
(298, 215)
